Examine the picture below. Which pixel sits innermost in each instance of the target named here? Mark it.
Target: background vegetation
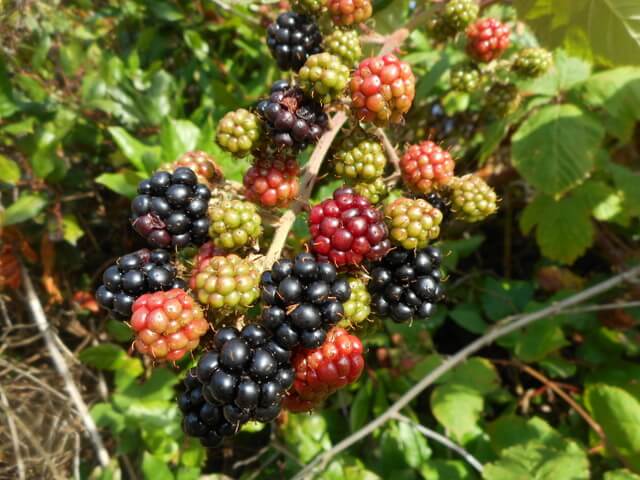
(95, 95)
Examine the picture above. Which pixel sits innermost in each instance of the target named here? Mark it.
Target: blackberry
(487, 39)
(234, 223)
(345, 44)
(358, 156)
(348, 12)
(465, 78)
(532, 62)
(202, 419)
(292, 119)
(358, 307)
(426, 167)
(502, 99)
(302, 299)
(309, 7)
(347, 229)
(167, 324)
(324, 77)
(133, 275)
(238, 132)
(292, 38)
(457, 14)
(375, 191)
(171, 209)
(472, 200)
(272, 180)
(438, 29)
(441, 203)
(203, 164)
(412, 222)
(405, 285)
(227, 284)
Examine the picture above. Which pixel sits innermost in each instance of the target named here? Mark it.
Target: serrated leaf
(106, 417)
(510, 430)
(178, 137)
(458, 409)
(9, 171)
(23, 209)
(621, 475)
(618, 412)
(501, 297)
(71, 230)
(360, 406)
(437, 469)
(538, 340)
(134, 150)
(125, 182)
(467, 316)
(543, 153)
(564, 230)
(566, 72)
(155, 469)
(108, 356)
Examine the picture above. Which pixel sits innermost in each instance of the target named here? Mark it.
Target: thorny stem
(506, 326)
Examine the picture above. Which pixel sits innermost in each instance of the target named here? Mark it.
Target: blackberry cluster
(309, 7)
(292, 38)
(171, 209)
(348, 12)
(457, 14)
(291, 118)
(406, 284)
(472, 200)
(347, 229)
(202, 419)
(133, 275)
(272, 181)
(302, 299)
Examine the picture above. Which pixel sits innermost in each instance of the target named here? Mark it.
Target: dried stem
(40, 319)
(506, 326)
(14, 434)
(392, 154)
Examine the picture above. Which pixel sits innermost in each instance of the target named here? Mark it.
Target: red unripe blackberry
(167, 324)
(426, 167)
(292, 38)
(348, 12)
(324, 370)
(272, 181)
(382, 90)
(347, 229)
(292, 119)
(487, 39)
(133, 275)
(203, 164)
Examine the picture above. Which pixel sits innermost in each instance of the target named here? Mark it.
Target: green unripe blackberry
(359, 156)
(324, 77)
(375, 191)
(458, 14)
(238, 132)
(309, 7)
(412, 222)
(532, 62)
(465, 78)
(229, 284)
(345, 44)
(234, 223)
(502, 99)
(438, 29)
(358, 307)
(472, 199)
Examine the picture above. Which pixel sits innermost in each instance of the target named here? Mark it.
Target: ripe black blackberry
(244, 377)
(292, 38)
(133, 275)
(171, 209)
(291, 118)
(203, 419)
(302, 299)
(405, 284)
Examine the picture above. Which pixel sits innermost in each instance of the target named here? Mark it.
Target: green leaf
(411, 443)
(9, 171)
(538, 340)
(458, 249)
(458, 409)
(72, 231)
(178, 137)
(195, 42)
(138, 154)
(467, 316)
(626, 182)
(437, 469)
(621, 475)
(106, 417)
(25, 208)
(360, 407)
(7, 104)
(475, 373)
(510, 430)
(564, 230)
(108, 356)
(501, 298)
(155, 469)
(125, 182)
(543, 153)
(566, 72)
(306, 435)
(618, 412)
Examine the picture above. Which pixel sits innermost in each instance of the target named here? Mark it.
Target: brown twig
(14, 434)
(392, 154)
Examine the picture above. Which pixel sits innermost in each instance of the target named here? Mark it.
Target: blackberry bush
(171, 209)
(405, 285)
(347, 229)
(293, 120)
(292, 38)
(133, 275)
(302, 299)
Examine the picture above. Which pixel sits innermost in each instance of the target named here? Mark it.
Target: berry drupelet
(347, 229)
(292, 38)
(292, 119)
(171, 209)
(133, 275)
(302, 299)
(405, 285)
